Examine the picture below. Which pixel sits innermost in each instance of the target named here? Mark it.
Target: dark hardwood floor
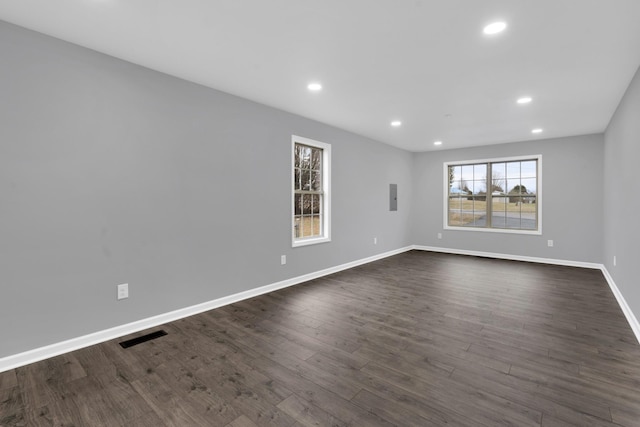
(418, 339)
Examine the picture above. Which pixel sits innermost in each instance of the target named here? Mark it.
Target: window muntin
(311, 184)
(494, 195)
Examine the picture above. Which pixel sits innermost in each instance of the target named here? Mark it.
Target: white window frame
(445, 205)
(326, 189)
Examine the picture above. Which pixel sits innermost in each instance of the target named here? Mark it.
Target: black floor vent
(144, 338)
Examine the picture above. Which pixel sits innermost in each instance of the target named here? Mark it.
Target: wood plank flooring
(418, 339)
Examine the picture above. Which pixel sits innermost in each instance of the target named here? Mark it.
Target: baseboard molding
(509, 257)
(56, 349)
(631, 318)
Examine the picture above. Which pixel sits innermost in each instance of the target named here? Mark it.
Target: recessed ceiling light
(437, 143)
(314, 87)
(495, 28)
(524, 100)
(536, 130)
(396, 123)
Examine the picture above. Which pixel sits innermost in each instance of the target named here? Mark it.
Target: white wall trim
(326, 185)
(626, 310)
(56, 349)
(510, 257)
(445, 205)
(631, 318)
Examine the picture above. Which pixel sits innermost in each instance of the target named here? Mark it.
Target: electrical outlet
(375, 240)
(123, 291)
(550, 243)
(283, 259)
(439, 235)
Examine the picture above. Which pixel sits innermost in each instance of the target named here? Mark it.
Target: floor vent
(143, 338)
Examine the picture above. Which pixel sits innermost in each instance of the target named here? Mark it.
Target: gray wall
(621, 204)
(113, 173)
(572, 176)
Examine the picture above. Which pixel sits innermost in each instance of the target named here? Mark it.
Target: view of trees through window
(308, 191)
(500, 194)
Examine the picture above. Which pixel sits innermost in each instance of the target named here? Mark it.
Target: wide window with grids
(494, 195)
(311, 191)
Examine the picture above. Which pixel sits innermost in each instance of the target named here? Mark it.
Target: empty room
(319, 213)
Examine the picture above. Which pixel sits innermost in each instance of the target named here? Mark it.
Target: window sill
(310, 241)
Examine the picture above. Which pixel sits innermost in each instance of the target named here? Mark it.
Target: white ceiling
(424, 62)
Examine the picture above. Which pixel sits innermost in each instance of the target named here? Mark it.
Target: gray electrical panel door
(393, 197)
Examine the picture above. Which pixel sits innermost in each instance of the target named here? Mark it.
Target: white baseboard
(41, 353)
(631, 318)
(38, 354)
(509, 257)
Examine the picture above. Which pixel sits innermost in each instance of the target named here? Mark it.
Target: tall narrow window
(494, 195)
(311, 191)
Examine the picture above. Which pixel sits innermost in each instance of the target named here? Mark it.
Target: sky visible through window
(504, 178)
(501, 194)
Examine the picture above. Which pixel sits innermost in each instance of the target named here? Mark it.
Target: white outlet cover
(123, 291)
(283, 259)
